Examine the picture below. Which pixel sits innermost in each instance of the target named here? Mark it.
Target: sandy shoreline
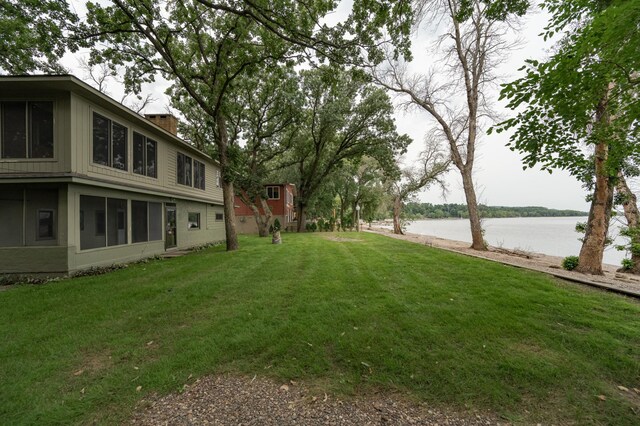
(611, 279)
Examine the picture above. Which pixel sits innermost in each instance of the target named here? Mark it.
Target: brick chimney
(166, 121)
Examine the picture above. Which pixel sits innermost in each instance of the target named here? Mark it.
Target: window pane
(41, 130)
(139, 224)
(119, 147)
(187, 171)
(151, 158)
(194, 221)
(155, 221)
(219, 216)
(92, 222)
(138, 153)
(180, 169)
(198, 175)
(45, 224)
(116, 221)
(100, 140)
(14, 130)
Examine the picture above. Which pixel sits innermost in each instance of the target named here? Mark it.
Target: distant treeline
(441, 211)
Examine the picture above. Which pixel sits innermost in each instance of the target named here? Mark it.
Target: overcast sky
(499, 177)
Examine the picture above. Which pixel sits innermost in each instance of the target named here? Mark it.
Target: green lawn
(347, 317)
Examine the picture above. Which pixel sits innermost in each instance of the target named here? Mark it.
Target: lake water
(554, 236)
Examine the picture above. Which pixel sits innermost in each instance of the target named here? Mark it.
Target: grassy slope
(347, 316)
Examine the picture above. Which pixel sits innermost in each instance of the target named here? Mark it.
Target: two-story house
(279, 199)
(84, 181)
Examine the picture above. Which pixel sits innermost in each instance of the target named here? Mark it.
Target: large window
(26, 129)
(109, 143)
(145, 156)
(190, 172)
(146, 221)
(103, 222)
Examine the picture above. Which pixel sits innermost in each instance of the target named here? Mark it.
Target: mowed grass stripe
(344, 316)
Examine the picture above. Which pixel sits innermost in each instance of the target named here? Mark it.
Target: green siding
(34, 260)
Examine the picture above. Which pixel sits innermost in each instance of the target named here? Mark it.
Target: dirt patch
(343, 239)
(92, 363)
(631, 394)
(227, 400)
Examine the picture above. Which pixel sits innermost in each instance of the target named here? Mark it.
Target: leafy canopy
(596, 64)
(34, 34)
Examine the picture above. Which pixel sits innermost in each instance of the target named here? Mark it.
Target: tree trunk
(301, 206)
(262, 220)
(477, 239)
(227, 186)
(342, 214)
(590, 259)
(595, 239)
(302, 216)
(631, 214)
(397, 209)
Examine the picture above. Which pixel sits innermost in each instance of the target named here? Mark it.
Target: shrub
(307, 226)
(570, 263)
(627, 264)
(314, 227)
(276, 226)
(321, 225)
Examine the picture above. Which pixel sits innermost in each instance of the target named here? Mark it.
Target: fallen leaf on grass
(79, 372)
(624, 389)
(150, 342)
(284, 388)
(139, 388)
(602, 397)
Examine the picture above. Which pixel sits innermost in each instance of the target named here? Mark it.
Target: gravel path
(229, 400)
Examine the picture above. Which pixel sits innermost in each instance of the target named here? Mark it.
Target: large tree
(579, 109)
(204, 47)
(267, 118)
(455, 93)
(429, 170)
(344, 117)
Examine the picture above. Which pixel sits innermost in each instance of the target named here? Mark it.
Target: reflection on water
(554, 236)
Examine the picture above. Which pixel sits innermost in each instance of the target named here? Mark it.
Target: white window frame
(272, 188)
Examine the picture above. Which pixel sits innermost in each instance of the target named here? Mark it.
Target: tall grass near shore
(345, 313)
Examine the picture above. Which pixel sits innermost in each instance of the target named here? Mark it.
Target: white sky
(499, 177)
